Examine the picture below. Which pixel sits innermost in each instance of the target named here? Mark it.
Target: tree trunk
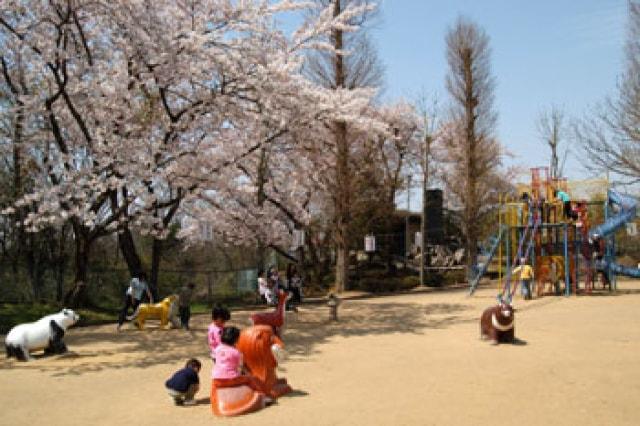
(156, 254)
(129, 252)
(471, 204)
(60, 262)
(423, 221)
(317, 268)
(261, 180)
(125, 239)
(32, 265)
(60, 269)
(343, 183)
(158, 246)
(342, 268)
(17, 178)
(471, 228)
(472, 256)
(343, 180)
(77, 296)
(260, 256)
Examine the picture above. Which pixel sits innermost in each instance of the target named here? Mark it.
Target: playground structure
(560, 249)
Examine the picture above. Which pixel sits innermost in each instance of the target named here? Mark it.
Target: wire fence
(210, 285)
(106, 287)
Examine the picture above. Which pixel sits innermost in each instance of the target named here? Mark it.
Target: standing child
(566, 201)
(526, 275)
(294, 282)
(184, 383)
(219, 316)
(184, 304)
(227, 371)
(273, 280)
(263, 285)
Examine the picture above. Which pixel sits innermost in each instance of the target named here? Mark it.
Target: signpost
(370, 243)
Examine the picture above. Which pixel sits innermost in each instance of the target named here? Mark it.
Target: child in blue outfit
(566, 201)
(184, 383)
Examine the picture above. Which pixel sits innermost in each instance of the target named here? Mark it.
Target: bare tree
(551, 129)
(473, 152)
(610, 135)
(430, 114)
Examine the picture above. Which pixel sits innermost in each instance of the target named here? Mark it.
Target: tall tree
(340, 72)
(472, 149)
(610, 135)
(33, 250)
(551, 129)
(426, 160)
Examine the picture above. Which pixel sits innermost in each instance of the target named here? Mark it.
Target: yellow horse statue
(165, 311)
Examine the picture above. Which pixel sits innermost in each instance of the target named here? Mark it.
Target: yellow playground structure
(558, 239)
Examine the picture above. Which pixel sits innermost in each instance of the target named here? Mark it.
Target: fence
(106, 287)
(18, 283)
(210, 285)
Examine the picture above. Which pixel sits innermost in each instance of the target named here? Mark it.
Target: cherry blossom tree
(350, 65)
(136, 107)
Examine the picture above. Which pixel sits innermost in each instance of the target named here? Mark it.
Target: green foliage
(445, 278)
(382, 283)
(13, 314)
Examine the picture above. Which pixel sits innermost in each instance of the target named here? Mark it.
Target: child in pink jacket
(227, 371)
(219, 316)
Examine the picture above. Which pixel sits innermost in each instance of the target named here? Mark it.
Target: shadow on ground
(94, 349)
(314, 327)
(296, 393)
(608, 293)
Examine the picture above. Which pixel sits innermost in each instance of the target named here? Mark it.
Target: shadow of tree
(98, 348)
(93, 349)
(314, 327)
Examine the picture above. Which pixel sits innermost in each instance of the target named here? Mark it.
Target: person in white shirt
(263, 286)
(137, 287)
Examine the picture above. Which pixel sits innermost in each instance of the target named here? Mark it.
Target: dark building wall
(434, 223)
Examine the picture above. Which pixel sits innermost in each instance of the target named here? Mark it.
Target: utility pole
(423, 218)
(407, 244)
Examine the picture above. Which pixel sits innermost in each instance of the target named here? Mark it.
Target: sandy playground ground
(412, 359)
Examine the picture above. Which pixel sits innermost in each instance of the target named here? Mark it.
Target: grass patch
(12, 314)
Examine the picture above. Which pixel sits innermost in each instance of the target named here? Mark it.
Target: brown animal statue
(497, 324)
(276, 318)
(258, 345)
(235, 400)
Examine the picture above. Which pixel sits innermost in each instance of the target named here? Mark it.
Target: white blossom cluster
(132, 107)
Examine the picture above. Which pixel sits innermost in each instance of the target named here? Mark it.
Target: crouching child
(185, 383)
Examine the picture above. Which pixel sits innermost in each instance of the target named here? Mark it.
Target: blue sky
(563, 52)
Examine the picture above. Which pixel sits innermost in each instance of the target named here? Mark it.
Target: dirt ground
(413, 359)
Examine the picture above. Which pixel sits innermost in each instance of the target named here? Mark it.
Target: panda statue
(46, 333)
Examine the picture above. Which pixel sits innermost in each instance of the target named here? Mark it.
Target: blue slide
(483, 267)
(627, 212)
(621, 270)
